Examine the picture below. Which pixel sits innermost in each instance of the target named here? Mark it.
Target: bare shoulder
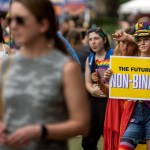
(71, 67)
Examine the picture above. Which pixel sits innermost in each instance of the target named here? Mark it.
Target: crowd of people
(54, 83)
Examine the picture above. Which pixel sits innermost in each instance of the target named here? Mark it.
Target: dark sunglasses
(18, 19)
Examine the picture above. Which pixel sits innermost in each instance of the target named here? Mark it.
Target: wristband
(44, 132)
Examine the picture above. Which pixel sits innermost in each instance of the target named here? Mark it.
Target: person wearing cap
(96, 63)
(138, 128)
(115, 106)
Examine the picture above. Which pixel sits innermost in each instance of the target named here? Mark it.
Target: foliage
(108, 24)
(122, 1)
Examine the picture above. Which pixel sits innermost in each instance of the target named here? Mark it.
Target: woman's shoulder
(60, 56)
(71, 68)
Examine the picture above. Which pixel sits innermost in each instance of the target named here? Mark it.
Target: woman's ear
(44, 25)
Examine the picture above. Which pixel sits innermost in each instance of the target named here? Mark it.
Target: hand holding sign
(108, 74)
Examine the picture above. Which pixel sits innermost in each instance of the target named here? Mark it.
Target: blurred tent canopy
(71, 7)
(135, 6)
(75, 7)
(4, 5)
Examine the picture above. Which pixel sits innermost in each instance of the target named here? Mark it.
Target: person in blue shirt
(69, 47)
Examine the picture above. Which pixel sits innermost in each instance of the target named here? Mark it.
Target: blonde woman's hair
(135, 50)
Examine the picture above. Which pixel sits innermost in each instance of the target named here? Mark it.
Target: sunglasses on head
(18, 19)
(93, 29)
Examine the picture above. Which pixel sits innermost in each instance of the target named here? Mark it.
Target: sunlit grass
(75, 144)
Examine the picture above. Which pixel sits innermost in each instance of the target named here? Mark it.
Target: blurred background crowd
(111, 15)
(75, 17)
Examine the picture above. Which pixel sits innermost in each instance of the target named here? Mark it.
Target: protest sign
(131, 78)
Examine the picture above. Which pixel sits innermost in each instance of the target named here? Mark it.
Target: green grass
(75, 144)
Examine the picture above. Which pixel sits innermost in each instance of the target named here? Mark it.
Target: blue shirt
(69, 47)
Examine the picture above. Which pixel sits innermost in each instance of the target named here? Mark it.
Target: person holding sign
(97, 61)
(115, 106)
(138, 128)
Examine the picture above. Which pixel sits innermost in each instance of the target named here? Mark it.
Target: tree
(108, 8)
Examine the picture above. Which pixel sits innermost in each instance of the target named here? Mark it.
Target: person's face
(144, 44)
(96, 42)
(24, 26)
(127, 48)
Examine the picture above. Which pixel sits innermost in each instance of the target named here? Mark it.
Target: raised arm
(122, 36)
